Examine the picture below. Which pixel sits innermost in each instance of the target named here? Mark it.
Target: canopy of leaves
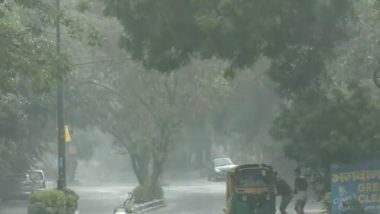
(29, 68)
(338, 128)
(338, 122)
(26, 52)
(297, 35)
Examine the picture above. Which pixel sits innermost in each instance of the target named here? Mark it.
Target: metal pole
(61, 183)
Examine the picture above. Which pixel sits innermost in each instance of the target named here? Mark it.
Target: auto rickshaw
(251, 190)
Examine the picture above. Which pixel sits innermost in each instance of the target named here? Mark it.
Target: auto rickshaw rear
(251, 190)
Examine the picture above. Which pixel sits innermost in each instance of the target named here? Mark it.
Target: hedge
(53, 202)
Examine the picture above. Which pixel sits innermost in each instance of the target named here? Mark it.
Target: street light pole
(61, 183)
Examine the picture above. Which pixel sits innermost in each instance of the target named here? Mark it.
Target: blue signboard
(359, 181)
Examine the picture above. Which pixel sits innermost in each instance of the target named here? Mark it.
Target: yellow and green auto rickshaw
(251, 190)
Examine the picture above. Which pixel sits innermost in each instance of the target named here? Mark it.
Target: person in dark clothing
(300, 189)
(284, 190)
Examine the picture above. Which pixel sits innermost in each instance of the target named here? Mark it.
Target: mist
(177, 106)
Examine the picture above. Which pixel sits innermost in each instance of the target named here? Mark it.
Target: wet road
(197, 196)
(101, 199)
(185, 197)
(202, 197)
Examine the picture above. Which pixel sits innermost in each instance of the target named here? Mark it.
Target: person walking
(300, 189)
(284, 190)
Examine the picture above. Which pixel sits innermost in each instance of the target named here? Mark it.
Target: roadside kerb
(145, 207)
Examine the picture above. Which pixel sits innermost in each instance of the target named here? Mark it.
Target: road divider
(145, 207)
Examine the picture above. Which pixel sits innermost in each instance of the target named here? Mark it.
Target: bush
(53, 202)
(71, 201)
(146, 193)
(47, 202)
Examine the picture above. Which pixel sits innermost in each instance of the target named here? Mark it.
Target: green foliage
(26, 53)
(53, 202)
(336, 121)
(29, 3)
(297, 36)
(47, 202)
(71, 201)
(158, 33)
(23, 133)
(29, 67)
(78, 27)
(340, 127)
(146, 193)
(82, 5)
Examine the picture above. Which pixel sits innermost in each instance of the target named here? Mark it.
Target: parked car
(219, 168)
(37, 177)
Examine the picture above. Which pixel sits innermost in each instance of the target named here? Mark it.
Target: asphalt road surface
(202, 197)
(183, 197)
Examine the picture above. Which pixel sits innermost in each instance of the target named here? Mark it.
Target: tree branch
(147, 107)
(108, 88)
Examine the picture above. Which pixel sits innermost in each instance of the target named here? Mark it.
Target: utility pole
(61, 183)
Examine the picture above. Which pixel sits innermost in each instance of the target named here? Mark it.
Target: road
(198, 197)
(183, 197)
(202, 197)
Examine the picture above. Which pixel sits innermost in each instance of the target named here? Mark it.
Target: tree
(146, 111)
(297, 36)
(143, 114)
(27, 68)
(336, 123)
(341, 127)
(25, 53)
(335, 105)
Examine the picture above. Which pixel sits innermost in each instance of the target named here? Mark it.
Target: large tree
(339, 128)
(298, 38)
(297, 35)
(147, 111)
(338, 123)
(27, 68)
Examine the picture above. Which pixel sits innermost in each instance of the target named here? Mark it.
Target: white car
(38, 179)
(219, 168)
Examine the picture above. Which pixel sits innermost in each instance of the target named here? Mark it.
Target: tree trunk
(140, 168)
(158, 164)
(159, 156)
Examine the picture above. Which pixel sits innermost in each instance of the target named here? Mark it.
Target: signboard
(67, 135)
(359, 181)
